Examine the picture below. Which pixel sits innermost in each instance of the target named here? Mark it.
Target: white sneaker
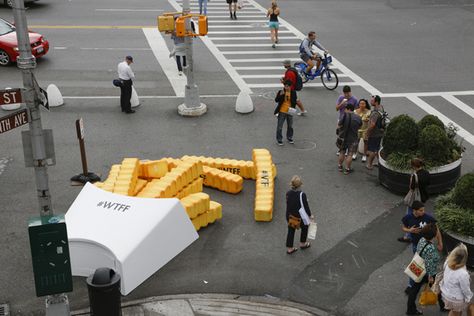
(303, 113)
(364, 158)
(354, 157)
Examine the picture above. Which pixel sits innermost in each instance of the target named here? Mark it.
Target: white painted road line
(234, 75)
(116, 48)
(245, 26)
(260, 60)
(426, 94)
(148, 96)
(260, 68)
(460, 105)
(227, 16)
(276, 76)
(279, 85)
(249, 38)
(260, 52)
(245, 32)
(236, 21)
(256, 45)
(129, 10)
(431, 110)
(161, 52)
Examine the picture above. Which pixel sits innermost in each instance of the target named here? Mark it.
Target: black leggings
(291, 235)
(178, 62)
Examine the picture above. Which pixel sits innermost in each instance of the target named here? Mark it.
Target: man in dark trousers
(126, 75)
(290, 74)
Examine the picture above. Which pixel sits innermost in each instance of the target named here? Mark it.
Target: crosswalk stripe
(260, 60)
(236, 21)
(256, 45)
(229, 27)
(260, 52)
(249, 38)
(278, 85)
(460, 105)
(245, 32)
(278, 75)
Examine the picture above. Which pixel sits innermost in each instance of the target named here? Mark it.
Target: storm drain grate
(4, 310)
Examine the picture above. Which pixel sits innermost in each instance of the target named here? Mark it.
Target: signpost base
(83, 179)
(194, 111)
(57, 305)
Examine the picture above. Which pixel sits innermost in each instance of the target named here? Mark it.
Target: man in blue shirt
(306, 54)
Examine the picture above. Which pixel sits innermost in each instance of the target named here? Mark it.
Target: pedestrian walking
(455, 285)
(273, 23)
(179, 51)
(202, 6)
(126, 76)
(413, 223)
(426, 250)
(349, 127)
(232, 9)
(375, 131)
(292, 75)
(342, 101)
(363, 111)
(298, 215)
(419, 180)
(286, 100)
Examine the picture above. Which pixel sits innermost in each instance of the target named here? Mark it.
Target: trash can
(104, 293)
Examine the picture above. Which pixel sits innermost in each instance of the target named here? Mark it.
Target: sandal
(291, 251)
(339, 167)
(347, 171)
(306, 246)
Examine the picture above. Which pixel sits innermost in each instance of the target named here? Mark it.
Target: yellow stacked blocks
(193, 187)
(222, 180)
(245, 169)
(264, 185)
(154, 169)
(109, 183)
(214, 213)
(196, 204)
(140, 186)
(126, 180)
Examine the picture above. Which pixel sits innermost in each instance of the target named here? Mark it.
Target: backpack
(382, 120)
(301, 47)
(299, 80)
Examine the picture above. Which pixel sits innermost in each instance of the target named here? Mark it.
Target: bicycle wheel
(329, 79)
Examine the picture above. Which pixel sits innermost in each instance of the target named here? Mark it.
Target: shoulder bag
(341, 138)
(304, 216)
(416, 269)
(294, 222)
(413, 195)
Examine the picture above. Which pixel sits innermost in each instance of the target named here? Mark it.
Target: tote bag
(416, 269)
(428, 297)
(304, 216)
(413, 195)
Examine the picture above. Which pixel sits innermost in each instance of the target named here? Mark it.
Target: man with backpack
(375, 131)
(292, 75)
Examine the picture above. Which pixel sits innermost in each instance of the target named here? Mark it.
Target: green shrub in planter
(401, 135)
(456, 219)
(463, 193)
(434, 146)
(428, 120)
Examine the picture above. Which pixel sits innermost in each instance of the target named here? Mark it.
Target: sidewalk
(213, 304)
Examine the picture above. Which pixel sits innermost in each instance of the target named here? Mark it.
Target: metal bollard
(104, 293)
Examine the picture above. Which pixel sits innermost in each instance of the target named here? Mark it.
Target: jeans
(126, 95)
(178, 62)
(291, 235)
(205, 6)
(411, 305)
(289, 131)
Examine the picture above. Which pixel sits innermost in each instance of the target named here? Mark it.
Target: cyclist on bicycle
(306, 54)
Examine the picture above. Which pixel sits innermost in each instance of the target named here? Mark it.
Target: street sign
(13, 121)
(10, 96)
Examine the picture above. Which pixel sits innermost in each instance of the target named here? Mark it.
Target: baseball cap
(129, 58)
(286, 62)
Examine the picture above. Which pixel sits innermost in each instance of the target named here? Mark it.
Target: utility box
(50, 255)
(166, 23)
(202, 22)
(181, 26)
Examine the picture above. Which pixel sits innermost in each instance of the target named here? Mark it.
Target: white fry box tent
(133, 236)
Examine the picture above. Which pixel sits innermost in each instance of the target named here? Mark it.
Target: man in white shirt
(126, 75)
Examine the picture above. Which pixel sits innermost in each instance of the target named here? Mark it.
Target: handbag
(240, 4)
(117, 83)
(292, 111)
(416, 269)
(428, 297)
(304, 216)
(294, 222)
(412, 195)
(436, 287)
(361, 146)
(312, 230)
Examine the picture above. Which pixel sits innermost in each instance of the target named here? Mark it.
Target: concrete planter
(397, 181)
(451, 240)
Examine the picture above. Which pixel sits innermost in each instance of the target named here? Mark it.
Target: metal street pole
(192, 105)
(56, 305)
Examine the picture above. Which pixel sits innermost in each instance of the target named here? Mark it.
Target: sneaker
(354, 157)
(291, 141)
(303, 114)
(280, 143)
(364, 158)
(180, 73)
(273, 45)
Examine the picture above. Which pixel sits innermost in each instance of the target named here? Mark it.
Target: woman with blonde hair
(455, 286)
(273, 23)
(296, 199)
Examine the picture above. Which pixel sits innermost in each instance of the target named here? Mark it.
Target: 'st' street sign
(10, 96)
(13, 121)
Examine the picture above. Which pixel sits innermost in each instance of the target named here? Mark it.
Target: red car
(9, 45)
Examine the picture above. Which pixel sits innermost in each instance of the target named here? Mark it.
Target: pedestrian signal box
(166, 23)
(181, 26)
(50, 255)
(202, 22)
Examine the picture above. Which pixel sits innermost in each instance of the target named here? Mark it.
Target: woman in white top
(455, 286)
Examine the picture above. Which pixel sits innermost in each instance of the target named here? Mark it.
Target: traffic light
(181, 26)
(166, 23)
(202, 22)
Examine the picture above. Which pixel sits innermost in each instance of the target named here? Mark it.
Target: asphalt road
(397, 47)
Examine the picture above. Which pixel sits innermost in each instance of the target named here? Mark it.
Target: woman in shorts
(232, 9)
(273, 23)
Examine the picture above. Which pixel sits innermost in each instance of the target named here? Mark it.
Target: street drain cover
(4, 310)
(270, 95)
(304, 145)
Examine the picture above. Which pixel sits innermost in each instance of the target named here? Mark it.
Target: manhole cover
(270, 95)
(4, 310)
(304, 145)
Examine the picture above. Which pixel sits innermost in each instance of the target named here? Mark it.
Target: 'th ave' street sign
(10, 96)
(13, 121)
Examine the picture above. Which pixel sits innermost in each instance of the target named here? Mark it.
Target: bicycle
(328, 76)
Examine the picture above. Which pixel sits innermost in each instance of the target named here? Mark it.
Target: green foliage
(463, 193)
(429, 120)
(434, 145)
(401, 135)
(400, 161)
(456, 219)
